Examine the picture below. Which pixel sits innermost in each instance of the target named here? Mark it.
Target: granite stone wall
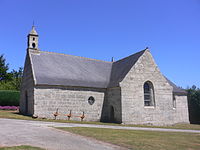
(26, 91)
(132, 93)
(181, 109)
(48, 99)
(112, 102)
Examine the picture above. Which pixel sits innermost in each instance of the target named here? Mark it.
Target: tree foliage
(17, 78)
(4, 76)
(9, 80)
(194, 104)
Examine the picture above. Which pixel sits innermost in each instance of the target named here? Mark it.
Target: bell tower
(33, 39)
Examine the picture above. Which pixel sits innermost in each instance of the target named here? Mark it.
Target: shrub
(9, 98)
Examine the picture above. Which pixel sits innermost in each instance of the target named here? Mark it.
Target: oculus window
(91, 100)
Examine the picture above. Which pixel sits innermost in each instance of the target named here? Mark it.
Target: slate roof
(121, 67)
(176, 89)
(60, 69)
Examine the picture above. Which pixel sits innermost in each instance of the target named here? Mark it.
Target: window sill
(150, 107)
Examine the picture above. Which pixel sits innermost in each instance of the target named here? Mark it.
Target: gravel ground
(23, 132)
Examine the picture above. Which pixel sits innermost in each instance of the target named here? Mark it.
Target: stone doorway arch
(112, 114)
(26, 102)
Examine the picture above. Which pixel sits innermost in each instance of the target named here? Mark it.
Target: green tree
(17, 78)
(4, 76)
(9, 80)
(194, 104)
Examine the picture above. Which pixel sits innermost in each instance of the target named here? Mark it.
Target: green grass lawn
(23, 147)
(16, 115)
(141, 140)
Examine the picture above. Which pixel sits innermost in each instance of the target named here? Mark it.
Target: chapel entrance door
(26, 102)
(112, 114)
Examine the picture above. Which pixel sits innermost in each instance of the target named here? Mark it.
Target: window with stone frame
(149, 99)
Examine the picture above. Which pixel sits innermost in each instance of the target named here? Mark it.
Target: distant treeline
(9, 80)
(194, 104)
(9, 84)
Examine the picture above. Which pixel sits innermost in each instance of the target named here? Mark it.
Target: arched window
(33, 45)
(148, 94)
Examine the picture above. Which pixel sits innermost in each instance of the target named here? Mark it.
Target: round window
(91, 100)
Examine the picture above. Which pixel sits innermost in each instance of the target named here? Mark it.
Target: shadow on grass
(20, 114)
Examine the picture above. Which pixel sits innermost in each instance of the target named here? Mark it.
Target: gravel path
(57, 124)
(22, 132)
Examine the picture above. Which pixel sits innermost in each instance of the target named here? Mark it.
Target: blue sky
(103, 29)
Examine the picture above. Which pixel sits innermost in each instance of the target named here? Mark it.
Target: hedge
(9, 98)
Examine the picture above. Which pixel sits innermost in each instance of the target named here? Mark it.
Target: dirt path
(22, 132)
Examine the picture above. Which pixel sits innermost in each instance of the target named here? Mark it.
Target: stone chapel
(130, 91)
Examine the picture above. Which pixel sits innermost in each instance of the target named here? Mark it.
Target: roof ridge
(130, 55)
(75, 56)
(119, 72)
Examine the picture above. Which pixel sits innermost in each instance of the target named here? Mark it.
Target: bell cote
(33, 39)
